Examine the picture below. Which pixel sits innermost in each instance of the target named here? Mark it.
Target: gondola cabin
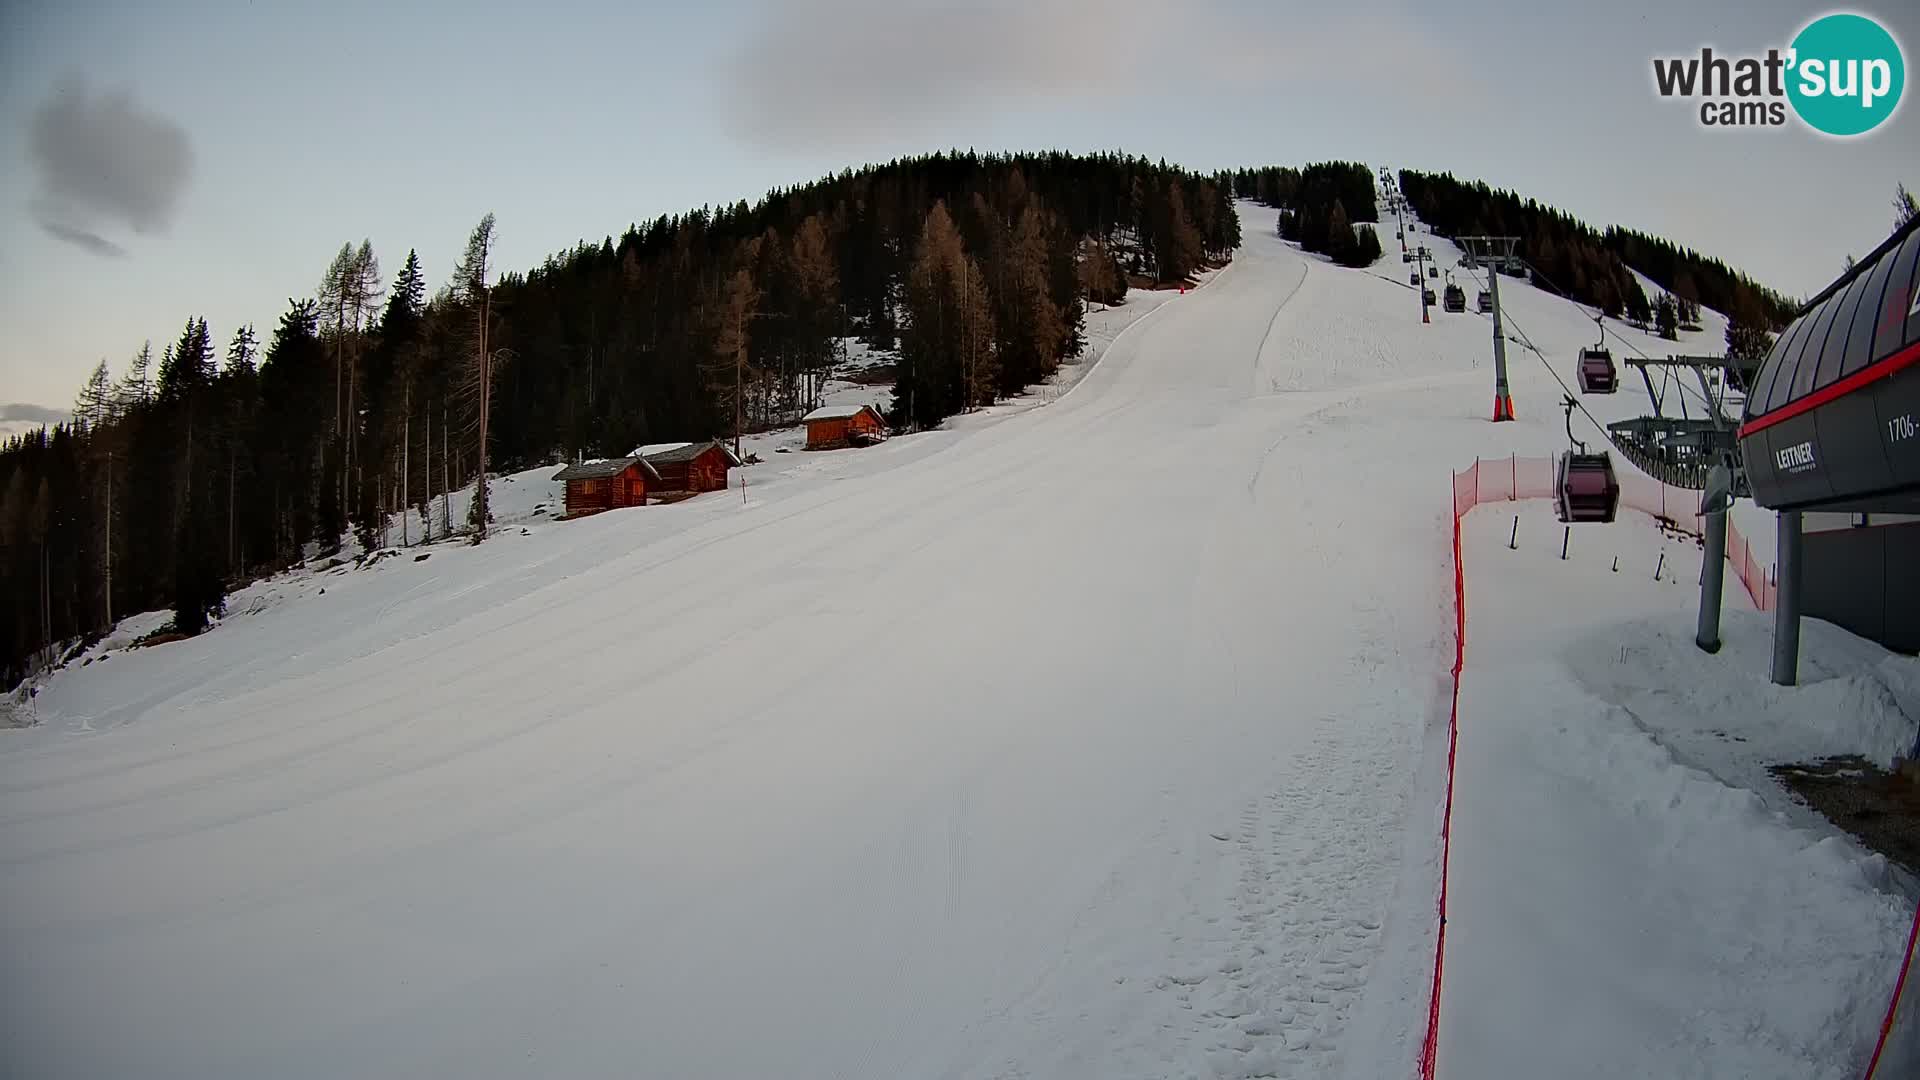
(1597, 374)
(690, 467)
(1426, 295)
(1433, 272)
(594, 486)
(1584, 488)
(833, 426)
(1413, 279)
(1406, 256)
(1484, 302)
(1456, 299)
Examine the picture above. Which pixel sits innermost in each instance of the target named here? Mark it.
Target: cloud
(873, 72)
(856, 70)
(75, 235)
(19, 419)
(34, 414)
(104, 163)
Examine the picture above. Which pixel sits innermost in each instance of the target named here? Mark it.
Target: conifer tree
(134, 388)
(95, 404)
(947, 360)
(1100, 278)
(1031, 329)
(816, 298)
(1666, 318)
(242, 350)
(470, 291)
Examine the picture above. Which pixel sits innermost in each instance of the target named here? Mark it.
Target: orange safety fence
(1495, 480)
(1504, 480)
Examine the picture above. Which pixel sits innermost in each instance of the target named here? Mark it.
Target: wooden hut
(832, 426)
(607, 485)
(689, 467)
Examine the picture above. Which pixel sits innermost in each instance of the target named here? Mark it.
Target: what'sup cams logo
(1842, 76)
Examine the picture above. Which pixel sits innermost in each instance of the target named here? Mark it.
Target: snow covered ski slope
(1102, 740)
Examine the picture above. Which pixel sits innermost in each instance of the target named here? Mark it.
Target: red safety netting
(1496, 480)
(1503, 480)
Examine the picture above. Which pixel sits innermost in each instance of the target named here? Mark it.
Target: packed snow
(1632, 894)
(1097, 733)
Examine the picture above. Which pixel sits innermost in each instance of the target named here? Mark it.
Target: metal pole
(1502, 395)
(1712, 577)
(1786, 617)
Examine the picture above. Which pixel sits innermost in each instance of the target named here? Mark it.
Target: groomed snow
(1632, 894)
(1097, 734)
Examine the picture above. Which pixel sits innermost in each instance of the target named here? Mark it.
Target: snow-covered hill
(1103, 738)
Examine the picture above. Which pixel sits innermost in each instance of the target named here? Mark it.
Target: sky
(208, 157)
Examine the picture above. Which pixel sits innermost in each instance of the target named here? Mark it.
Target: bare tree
(1905, 206)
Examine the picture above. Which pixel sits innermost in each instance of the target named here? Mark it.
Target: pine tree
(1176, 241)
(469, 290)
(185, 394)
(242, 350)
(1340, 243)
(1905, 206)
(1666, 319)
(1639, 311)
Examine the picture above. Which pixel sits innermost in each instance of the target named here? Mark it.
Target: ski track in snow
(1103, 739)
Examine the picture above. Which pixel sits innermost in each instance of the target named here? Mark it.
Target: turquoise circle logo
(1847, 74)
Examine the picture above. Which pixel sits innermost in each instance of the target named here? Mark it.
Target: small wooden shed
(832, 426)
(691, 467)
(607, 485)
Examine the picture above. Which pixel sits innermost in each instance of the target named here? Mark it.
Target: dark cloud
(78, 237)
(34, 414)
(104, 163)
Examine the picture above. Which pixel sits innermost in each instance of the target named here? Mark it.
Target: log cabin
(832, 426)
(607, 485)
(690, 467)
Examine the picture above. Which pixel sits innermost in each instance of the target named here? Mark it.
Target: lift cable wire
(1527, 342)
(1665, 375)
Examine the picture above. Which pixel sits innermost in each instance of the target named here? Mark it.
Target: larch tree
(816, 284)
(1031, 329)
(135, 387)
(95, 404)
(947, 360)
(727, 365)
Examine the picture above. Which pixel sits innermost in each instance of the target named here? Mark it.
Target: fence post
(1513, 542)
(1566, 532)
(1513, 474)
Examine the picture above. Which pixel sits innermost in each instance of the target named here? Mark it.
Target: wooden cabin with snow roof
(690, 467)
(594, 486)
(833, 426)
